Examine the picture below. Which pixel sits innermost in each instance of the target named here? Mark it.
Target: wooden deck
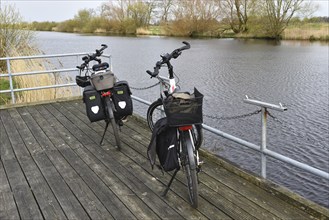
(53, 168)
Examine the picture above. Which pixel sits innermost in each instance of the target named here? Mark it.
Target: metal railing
(9, 73)
(262, 149)
(264, 106)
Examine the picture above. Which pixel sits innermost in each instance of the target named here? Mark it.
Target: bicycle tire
(110, 116)
(155, 112)
(190, 168)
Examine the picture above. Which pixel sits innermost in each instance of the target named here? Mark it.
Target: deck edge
(25, 104)
(281, 192)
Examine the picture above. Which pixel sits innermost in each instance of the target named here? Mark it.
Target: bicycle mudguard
(189, 147)
(109, 108)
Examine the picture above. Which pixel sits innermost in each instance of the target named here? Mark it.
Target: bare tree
(237, 13)
(195, 16)
(279, 14)
(165, 6)
(12, 34)
(129, 14)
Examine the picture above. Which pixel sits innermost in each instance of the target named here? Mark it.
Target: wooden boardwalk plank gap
(52, 167)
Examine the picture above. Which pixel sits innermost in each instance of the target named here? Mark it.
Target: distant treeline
(212, 18)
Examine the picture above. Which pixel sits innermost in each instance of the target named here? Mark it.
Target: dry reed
(307, 32)
(30, 81)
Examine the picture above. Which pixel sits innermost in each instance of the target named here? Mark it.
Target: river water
(294, 73)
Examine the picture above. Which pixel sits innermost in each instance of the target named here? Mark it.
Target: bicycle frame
(166, 84)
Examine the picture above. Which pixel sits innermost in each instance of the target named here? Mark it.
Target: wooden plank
(24, 198)
(68, 201)
(19, 148)
(46, 200)
(176, 204)
(132, 183)
(8, 209)
(270, 205)
(95, 209)
(6, 150)
(119, 188)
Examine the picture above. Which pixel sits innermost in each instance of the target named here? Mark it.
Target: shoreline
(311, 38)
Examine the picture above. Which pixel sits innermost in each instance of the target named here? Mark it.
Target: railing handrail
(49, 56)
(11, 75)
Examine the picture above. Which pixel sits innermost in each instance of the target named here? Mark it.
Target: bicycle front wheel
(110, 117)
(190, 167)
(154, 113)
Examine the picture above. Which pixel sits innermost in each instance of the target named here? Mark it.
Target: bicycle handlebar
(91, 57)
(166, 60)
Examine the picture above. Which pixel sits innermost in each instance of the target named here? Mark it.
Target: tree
(129, 14)
(165, 7)
(84, 17)
(195, 17)
(12, 33)
(279, 13)
(237, 13)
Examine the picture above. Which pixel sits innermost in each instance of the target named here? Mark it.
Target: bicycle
(189, 134)
(102, 94)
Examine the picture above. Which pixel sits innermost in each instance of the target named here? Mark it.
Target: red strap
(108, 93)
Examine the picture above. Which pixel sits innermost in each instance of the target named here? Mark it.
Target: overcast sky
(61, 10)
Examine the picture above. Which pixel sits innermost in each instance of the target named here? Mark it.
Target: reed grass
(30, 81)
(309, 31)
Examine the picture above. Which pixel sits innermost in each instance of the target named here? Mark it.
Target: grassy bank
(307, 31)
(301, 31)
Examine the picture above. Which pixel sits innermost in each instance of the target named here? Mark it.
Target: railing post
(264, 106)
(11, 85)
(263, 146)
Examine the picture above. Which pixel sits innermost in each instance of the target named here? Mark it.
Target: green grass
(4, 97)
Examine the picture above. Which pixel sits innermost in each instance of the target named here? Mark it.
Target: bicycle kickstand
(107, 124)
(170, 182)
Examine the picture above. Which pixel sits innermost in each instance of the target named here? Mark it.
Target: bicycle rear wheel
(190, 167)
(110, 117)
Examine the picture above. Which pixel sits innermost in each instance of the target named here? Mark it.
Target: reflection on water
(225, 70)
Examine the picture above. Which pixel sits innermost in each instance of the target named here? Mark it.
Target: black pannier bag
(164, 145)
(182, 108)
(94, 106)
(121, 96)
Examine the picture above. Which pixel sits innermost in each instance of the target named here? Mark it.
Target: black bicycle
(183, 111)
(105, 98)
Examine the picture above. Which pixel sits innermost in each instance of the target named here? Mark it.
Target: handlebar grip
(155, 73)
(103, 46)
(187, 45)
